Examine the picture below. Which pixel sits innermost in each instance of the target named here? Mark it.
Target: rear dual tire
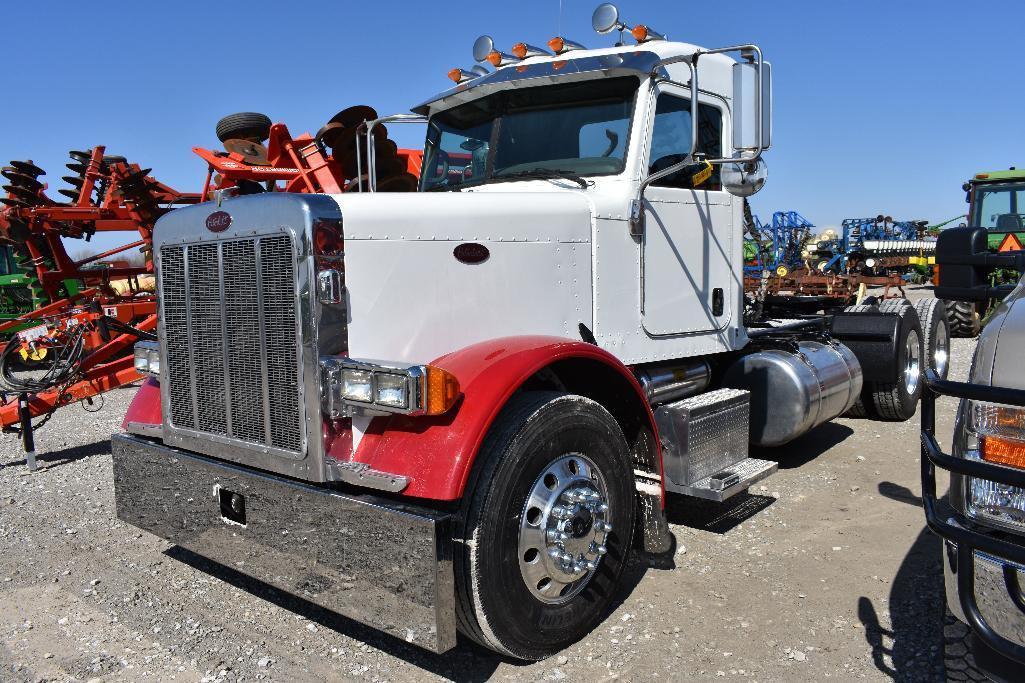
(895, 401)
(510, 592)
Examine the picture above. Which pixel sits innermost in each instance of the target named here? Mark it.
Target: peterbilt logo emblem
(471, 252)
(218, 221)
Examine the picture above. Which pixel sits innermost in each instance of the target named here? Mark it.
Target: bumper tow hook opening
(233, 506)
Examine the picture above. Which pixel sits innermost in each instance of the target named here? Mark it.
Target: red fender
(145, 407)
(437, 453)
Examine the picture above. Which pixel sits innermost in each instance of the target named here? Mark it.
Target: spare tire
(245, 125)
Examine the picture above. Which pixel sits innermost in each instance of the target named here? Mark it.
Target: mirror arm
(637, 203)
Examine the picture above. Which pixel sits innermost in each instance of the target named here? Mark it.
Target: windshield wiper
(541, 174)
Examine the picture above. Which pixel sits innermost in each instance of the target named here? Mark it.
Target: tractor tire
(553, 481)
(897, 401)
(859, 409)
(958, 658)
(964, 319)
(932, 315)
(246, 125)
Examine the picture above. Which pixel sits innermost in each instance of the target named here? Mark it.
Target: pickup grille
(231, 340)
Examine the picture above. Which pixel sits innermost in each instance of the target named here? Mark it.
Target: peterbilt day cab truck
(982, 518)
(460, 409)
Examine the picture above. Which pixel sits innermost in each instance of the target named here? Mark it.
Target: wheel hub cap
(563, 529)
(912, 363)
(942, 352)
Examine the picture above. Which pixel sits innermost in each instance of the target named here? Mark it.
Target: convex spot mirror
(744, 178)
(605, 18)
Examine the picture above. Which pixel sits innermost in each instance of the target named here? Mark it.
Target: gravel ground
(825, 571)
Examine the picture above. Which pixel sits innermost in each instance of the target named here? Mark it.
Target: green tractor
(16, 296)
(996, 202)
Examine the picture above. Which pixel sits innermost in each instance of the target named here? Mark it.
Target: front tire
(545, 528)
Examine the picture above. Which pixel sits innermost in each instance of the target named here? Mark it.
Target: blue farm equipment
(778, 246)
(874, 246)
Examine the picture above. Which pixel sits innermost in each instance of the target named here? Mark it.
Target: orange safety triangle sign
(1011, 243)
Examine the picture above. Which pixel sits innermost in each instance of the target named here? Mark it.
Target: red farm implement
(77, 343)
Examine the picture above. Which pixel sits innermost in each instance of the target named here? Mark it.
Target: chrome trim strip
(228, 427)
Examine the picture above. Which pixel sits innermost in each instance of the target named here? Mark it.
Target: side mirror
(746, 120)
(961, 256)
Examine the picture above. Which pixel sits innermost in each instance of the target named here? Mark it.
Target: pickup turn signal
(1003, 451)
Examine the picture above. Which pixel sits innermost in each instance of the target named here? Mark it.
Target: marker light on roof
(462, 75)
(643, 34)
(524, 50)
(497, 59)
(561, 45)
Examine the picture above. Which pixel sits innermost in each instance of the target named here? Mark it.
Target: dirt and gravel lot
(824, 572)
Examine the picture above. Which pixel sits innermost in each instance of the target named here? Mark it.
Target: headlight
(996, 434)
(353, 387)
(357, 385)
(147, 358)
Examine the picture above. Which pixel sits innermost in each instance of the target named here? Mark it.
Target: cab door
(688, 282)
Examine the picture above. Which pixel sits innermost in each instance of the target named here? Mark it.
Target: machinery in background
(71, 324)
(996, 202)
(875, 247)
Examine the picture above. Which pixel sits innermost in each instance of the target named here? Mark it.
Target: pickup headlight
(352, 387)
(147, 358)
(996, 434)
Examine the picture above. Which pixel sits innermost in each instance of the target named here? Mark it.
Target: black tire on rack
(545, 526)
(860, 409)
(897, 401)
(932, 314)
(964, 319)
(245, 125)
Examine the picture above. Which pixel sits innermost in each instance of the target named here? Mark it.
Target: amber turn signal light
(1003, 451)
(440, 390)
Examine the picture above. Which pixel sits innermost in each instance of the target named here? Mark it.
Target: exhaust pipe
(669, 382)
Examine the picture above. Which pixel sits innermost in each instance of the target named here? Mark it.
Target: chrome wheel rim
(912, 363)
(563, 529)
(941, 354)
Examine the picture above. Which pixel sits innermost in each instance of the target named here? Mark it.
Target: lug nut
(554, 553)
(591, 565)
(560, 512)
(602, 507)
(602, 550)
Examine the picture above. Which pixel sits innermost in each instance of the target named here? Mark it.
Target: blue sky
(881, 107)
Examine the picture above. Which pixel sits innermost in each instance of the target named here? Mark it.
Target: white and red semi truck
(460, 409)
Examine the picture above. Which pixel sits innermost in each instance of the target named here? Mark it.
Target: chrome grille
(229, 316)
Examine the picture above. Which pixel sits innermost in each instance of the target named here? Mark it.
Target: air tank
(795, 391)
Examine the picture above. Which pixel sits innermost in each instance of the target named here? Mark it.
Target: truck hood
(998, 357)
(411, 297)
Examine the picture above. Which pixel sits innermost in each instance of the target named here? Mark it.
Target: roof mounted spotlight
(605, 19)
(561, 45)
(524, 50)
(482, 47)
(643, 34)
(462, 75)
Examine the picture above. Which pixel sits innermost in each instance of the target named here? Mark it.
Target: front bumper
(382, 563)
(980, 565)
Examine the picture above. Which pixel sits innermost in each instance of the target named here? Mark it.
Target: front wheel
(545, 528)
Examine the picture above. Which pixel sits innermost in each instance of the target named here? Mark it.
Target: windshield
(570, 130)
(1000, 207)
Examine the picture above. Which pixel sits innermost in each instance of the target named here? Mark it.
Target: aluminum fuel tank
(792, 392)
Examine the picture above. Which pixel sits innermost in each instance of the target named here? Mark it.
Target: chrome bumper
(379, 562)
(995, 599)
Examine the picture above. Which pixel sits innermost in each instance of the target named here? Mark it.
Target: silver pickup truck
(982, 521)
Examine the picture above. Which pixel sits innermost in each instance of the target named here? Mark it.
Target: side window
(671, 134)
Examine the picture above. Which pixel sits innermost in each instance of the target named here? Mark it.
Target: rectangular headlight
(996, 434)
(357, 385)
(392, 390)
